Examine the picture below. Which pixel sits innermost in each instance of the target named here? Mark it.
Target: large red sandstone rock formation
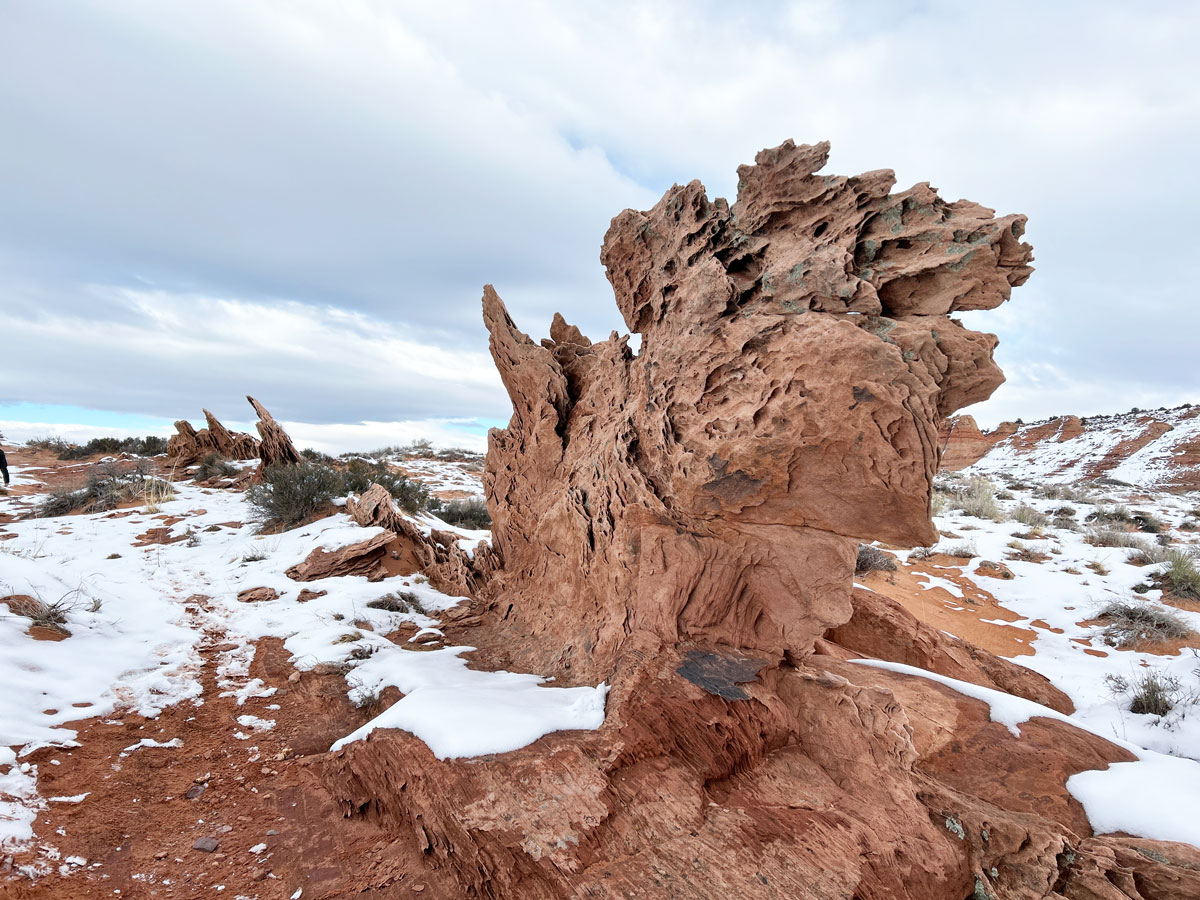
(682, 523)
(189, 446)
(274, 447)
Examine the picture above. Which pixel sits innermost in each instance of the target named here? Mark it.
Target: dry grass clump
(39, 612)
(1112, 537)
(398, 602)
(872, 559)
(469, 513)
(1027, 515)
(1153, 693)
(1181, 575)
(105, 488)
(961, 550)
(1129, 621)
(213, 465)
(1073, 493)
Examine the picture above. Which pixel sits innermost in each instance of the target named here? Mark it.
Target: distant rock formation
(683, 524)
(275, 448)
(1147, 448)
(189, 446)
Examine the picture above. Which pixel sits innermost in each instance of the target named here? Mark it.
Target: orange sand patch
(939, 608)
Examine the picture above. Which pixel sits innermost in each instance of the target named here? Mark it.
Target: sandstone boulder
(449, 568)
(362, 558)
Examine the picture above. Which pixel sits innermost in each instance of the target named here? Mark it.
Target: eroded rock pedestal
(682, 523)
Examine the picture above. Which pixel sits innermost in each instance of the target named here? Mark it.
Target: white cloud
(330, 184)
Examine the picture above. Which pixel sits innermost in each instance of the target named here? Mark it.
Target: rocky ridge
(1157, 449)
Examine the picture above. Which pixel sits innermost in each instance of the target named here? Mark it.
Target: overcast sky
(302, 200)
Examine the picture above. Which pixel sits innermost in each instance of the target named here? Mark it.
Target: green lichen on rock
(1154, 855)
(981, 892)
(955, 827)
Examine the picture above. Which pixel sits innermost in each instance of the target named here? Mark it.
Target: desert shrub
(1027, 515)
(290, 494)
(961, 550)
(212, 465)
(872, 559)
(316, 455)
(1148, 522)
(1181, 574)
(359, 474)
(1148, 555)
(1111, 515)
(1111, 537)
(1074, 493)
(469, 513)
(398, 602)
(979, 500)
(105, 488)
(1130, 621)
(49, 442)
(920, 553)
(151, 445)
(1154, 694)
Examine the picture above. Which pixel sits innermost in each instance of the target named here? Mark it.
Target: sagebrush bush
(1027, 515)
(105, 488)
(360, 474)
(151, 445)
(979, 500)
(872, 559)
(1154, 693)
(288, 495)
(1130, 621)
(1073, 493)
(399, 602)
(1118, 514)
(470, 513)
(1181, 575)
(212, 465)
(1111, 537)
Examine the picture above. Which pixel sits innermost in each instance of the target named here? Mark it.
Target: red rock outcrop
(275, 447)
(796, 360)
(963, 444)
(883, 629)
(363, 558)
(683, 523)
(1161, 448)
(449, 568)
(189, 446)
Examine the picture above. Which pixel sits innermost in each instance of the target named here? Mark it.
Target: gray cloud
(236, 167)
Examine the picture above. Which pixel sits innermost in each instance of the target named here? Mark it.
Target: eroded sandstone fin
(275, 447)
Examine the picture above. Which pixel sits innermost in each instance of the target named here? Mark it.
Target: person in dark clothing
(4, 466)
